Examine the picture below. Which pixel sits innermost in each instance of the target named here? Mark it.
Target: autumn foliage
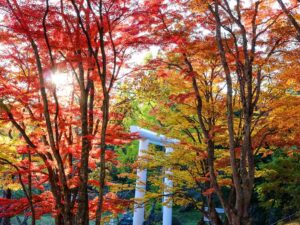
(224, 81)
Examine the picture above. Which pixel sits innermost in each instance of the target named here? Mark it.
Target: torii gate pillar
(167, 207)
(140, 189)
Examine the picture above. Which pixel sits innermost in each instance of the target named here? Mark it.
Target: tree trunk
(82, 214)
(213, 215)
(59, 220)
(105, 110)
(30, 190)
(7, 194)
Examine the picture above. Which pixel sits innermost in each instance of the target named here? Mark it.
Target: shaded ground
(191, 217)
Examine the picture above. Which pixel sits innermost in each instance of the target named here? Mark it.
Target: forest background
(221, 76)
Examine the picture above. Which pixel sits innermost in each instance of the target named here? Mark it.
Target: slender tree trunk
(59, 220)
(61, 174)
(237, 213)
(213, 215)
(8, 195)
(105, 114)
(30, 191)
(82, 214)
(105, 118)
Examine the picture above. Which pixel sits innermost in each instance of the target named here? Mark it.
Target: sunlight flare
(63, 82)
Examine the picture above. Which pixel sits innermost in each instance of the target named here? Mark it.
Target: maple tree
(248, 65)
(62, 125)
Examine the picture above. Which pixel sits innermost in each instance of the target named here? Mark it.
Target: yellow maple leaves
(8, 154)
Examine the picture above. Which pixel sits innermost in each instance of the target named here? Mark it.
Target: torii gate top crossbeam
(153, 137)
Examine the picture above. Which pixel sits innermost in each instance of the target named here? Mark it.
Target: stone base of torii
(148, 137)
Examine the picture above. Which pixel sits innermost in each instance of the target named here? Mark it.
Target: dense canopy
(221, 76)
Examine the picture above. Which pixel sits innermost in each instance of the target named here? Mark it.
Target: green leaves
(281, 183)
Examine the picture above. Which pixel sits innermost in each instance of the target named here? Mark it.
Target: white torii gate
(148, 137)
